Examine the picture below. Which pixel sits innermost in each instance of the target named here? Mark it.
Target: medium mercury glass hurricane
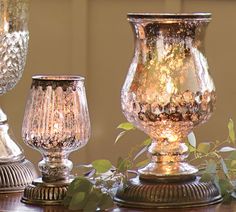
(56, 122)
(168, 90)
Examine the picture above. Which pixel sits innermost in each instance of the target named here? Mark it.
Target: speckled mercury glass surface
(168, 90)
(14, 38)
(56, 122)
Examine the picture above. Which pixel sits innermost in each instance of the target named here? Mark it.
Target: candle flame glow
(6, 25)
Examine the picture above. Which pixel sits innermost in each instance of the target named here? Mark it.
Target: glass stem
(55, 166)
(167, 152)
(167, 159)
(9, 150)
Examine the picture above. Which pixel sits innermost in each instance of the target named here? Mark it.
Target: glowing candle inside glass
(168, 90)
(56, 122)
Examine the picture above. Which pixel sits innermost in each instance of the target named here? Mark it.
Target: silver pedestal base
(15, 176)
(164, 194)
(43, 193)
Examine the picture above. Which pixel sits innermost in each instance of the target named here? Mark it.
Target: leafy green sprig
(217, 161)
(95, 189)
(92, 190)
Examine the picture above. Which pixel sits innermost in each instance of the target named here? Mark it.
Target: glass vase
(168, 91)
(56, 122)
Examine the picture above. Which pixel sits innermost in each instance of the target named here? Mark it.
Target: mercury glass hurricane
(56, 122)
(168, 90)
(14, 36)
(167, 93)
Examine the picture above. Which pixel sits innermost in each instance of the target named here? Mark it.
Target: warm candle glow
(56, 122)
(168, 90)
(5, 25)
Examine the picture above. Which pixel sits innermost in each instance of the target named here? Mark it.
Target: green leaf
(102, 166)
(92, 202)
(216, 181)
(206, 177)
(106, 202)
(123, 165)
(126, 126)
(90, 206)
(192, 139)
(228, 163)
(211, 167)
(71, 188)
(119, 136)
(231, 131)
(203, 148)
(85, 185)
(142, 163)
(77, 201)
(225, 186)
(224, 167)
(227, 198)
(79, 184)
(190, 148)
(227, 149)
(233, 164)
(147, 142)
(232, 155)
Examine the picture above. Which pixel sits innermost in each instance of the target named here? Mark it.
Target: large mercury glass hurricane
(15, 171)
(168, 90)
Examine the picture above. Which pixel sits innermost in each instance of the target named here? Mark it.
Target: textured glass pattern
(13, 52)
(14, 38)
(56, 121)
(168, 90)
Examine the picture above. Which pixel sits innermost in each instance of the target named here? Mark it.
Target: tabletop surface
(11, 202)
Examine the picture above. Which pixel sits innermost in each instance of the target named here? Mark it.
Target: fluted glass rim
(46, 77)
(134, 17)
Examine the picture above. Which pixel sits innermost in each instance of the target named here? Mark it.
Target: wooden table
(11, 202)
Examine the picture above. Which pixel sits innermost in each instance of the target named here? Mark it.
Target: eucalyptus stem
(220, 144)
(98, 187)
